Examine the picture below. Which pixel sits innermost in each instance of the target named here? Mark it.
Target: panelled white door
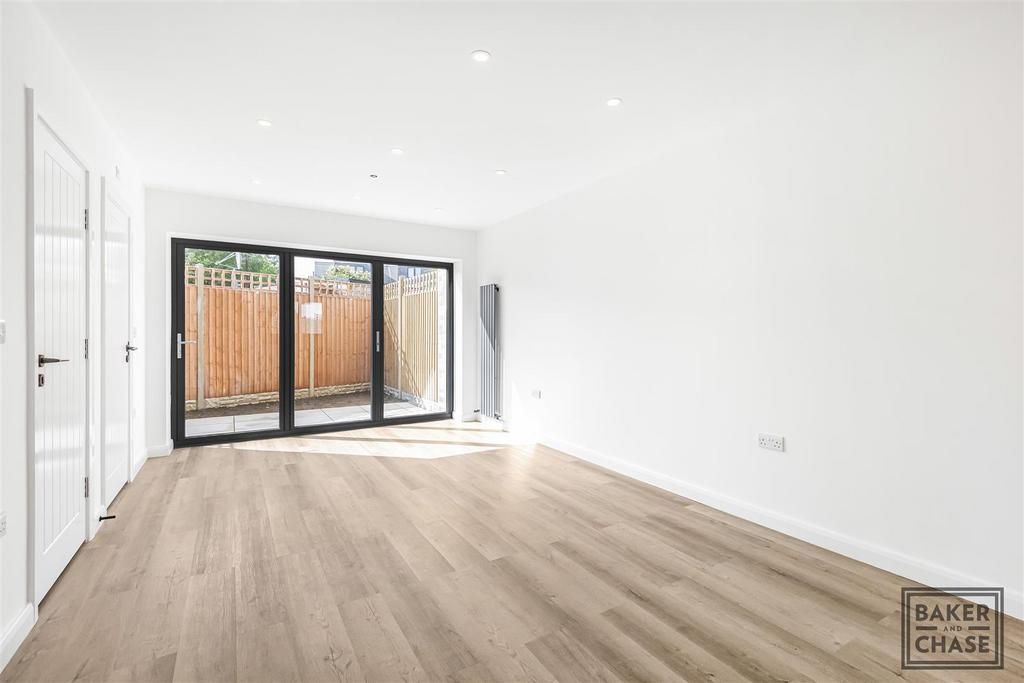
(116, 345)
(60, 293)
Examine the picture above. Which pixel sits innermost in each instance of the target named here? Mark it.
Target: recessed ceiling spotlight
(374, 176)
(256, 181)
(614, 102)
(397, 152)
(265, 123)
(480, 55)
(438, 209)
(500, 171)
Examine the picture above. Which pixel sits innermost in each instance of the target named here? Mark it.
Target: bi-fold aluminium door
(415, 340)
(332, 341)
(269, 341)
(226, 351)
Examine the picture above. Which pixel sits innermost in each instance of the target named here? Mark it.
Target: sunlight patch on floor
(426, 440)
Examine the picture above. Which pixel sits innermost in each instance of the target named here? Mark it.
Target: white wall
(180, 214)
(32, 58)
(841, 265)
(5, 622)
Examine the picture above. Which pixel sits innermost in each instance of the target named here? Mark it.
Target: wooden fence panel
(191, 350)
(341, 338)
(234, 317)
(239, 342)
(414, 360)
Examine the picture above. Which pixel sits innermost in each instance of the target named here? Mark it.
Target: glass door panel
(415, 340)
(230, 345)
(333, 350)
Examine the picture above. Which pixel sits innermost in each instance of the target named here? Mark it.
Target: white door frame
(34, 117)
(109, 195)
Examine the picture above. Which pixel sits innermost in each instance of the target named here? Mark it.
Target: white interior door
(60, 194)
(117, 346)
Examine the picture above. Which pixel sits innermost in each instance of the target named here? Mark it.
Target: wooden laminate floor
(318, 559)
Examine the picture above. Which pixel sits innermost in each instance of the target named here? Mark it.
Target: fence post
(200, 338)
(401, 339)
(441, 347)
(312, 340)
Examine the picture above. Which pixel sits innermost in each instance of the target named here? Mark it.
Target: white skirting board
(15, 634)
(137, 465)
(893, 561)
(160, 451)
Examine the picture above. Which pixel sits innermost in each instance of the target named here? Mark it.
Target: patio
(253, 421)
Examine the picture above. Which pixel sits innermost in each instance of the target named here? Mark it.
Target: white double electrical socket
(772, 442)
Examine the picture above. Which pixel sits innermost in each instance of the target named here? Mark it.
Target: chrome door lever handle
(182, 342)
(43, 360)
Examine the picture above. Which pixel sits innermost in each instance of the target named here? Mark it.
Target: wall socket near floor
(535, 393)
(3, 524)
(772, 442)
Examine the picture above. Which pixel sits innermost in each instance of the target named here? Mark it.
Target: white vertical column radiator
(490, 353)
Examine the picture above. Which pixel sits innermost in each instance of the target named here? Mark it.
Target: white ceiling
(183, 84)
